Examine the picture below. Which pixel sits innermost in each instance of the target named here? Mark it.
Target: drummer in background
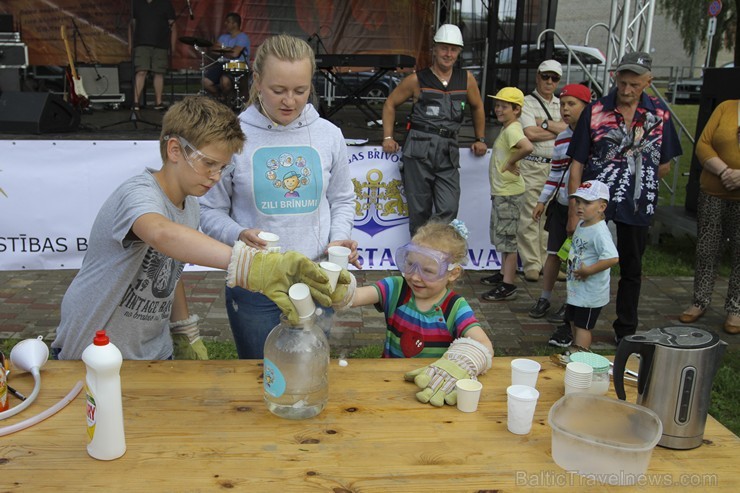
(217, 82)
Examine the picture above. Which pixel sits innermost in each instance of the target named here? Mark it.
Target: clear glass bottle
(296, 369)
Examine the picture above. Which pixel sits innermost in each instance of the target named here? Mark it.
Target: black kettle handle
(628, 346)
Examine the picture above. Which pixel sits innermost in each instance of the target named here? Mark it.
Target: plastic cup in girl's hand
(332, 271)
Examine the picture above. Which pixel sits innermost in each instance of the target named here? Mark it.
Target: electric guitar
(77, 95)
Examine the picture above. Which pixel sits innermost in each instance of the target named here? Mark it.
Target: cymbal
(221, 50)
(193, 41)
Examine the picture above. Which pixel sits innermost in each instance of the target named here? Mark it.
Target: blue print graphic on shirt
(287, 179)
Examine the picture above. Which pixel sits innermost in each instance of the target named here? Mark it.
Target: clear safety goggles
(201, 163)
(431, 265)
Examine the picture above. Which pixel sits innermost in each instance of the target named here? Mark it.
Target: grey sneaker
(539, 309)
(558, 317)
(562, 337)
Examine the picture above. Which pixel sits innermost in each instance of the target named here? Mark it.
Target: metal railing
(572, 56)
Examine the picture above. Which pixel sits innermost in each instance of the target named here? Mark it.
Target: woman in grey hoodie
(292, 179)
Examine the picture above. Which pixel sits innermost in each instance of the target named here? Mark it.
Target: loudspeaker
(719, 85)
(99, 80)
(36, 112)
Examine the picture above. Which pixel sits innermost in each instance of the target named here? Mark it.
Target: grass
(687, 114)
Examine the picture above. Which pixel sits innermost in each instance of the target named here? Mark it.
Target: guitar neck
(69, 53)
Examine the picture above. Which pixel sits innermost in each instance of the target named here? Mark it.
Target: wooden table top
(203, 426)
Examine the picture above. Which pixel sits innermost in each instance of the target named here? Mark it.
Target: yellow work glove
(186, 341)
(465, 358)
(272, 274)
(344, 293)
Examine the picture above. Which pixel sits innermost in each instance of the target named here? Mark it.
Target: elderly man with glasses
(541, 122)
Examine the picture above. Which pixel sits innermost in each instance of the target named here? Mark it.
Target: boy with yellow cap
(507, 187)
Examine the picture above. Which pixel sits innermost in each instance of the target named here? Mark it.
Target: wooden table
(203, 426)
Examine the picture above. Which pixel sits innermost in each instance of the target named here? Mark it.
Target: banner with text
(51, 191)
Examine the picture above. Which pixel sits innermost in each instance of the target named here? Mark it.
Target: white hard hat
(449, 34)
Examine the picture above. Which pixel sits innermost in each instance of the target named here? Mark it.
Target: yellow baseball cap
(510, 94)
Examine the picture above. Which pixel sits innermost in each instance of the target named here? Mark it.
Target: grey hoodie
(291, 180)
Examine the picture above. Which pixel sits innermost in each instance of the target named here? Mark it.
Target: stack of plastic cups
(600, 379)
(578, 377)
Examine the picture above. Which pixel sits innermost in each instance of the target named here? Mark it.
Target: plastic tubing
(23, 405)
(7, 430)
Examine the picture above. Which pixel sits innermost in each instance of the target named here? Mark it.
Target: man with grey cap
(626, 139)
(542, 123)
(431, 156)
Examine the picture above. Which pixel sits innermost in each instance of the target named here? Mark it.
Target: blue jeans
(252, 316)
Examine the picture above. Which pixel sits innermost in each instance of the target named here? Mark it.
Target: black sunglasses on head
(546, 77)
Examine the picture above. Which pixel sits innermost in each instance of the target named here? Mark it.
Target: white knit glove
(465, 358)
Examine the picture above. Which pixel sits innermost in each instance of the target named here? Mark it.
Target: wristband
(387, 138)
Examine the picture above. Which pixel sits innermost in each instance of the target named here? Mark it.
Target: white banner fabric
(50, 193)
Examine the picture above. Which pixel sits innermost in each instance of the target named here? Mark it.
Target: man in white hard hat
(430, 162)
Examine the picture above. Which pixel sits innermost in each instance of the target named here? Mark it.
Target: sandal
(160, 107)
(732, 325)
(691, 314)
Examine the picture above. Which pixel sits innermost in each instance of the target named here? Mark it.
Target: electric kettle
(677, 366)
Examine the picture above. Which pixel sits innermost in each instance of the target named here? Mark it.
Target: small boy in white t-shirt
(592, 254)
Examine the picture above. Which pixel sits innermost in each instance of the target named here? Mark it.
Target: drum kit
(237, 68)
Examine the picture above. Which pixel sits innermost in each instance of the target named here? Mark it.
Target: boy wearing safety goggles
(425, 318)
(145, 232)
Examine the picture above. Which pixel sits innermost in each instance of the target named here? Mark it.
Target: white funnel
(29, 353)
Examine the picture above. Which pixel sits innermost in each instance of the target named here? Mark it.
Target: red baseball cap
(578, 91)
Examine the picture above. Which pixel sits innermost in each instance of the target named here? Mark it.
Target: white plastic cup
(524, 372)
(468, 394)
(300, 295)
(272, 241)
(339, 255)
(569, 389)
(521, 402)
(332, 271)
(578, 377)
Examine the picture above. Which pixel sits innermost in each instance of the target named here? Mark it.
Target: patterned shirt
(626, 159)
(413, 333)
(559, 168)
